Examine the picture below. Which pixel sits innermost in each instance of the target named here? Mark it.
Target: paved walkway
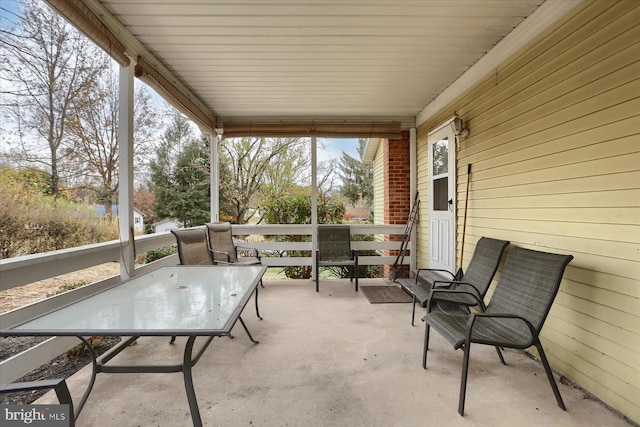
(333, 359)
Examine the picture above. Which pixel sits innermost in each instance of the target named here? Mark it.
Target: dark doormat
(385, 294)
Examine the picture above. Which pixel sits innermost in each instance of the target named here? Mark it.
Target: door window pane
(441, 157)
(440, 194)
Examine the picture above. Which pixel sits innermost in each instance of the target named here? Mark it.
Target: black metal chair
(473, 284)
(58, 385)
(514, 316)
(334, 250)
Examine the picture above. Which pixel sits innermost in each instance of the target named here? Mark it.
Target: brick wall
(397, 191)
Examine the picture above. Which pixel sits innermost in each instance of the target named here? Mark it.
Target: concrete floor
(332, 359)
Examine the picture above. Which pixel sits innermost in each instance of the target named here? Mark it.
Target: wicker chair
(334, 250)
(193, 248)
(224, 250)
(472, 285)
(514, 316)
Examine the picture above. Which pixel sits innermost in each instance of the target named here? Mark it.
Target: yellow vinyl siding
(422, 226)
(378, 182)
(555, 151)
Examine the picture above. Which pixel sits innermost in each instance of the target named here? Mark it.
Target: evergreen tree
(180, 175)
(357, 176)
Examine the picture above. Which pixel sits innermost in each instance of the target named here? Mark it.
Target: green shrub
(160, 253)
(68, 287)
(291, 209)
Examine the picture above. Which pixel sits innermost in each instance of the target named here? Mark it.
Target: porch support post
(215, 178)
(413, 186)
(314, 205)
(125, 188)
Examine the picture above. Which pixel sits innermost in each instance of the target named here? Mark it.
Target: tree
(254, 164)
(48, 68)
(180, 175)
(357, 176)
(287, 171)
(192, 204)
(144, 200)
(94, 129)
(32, 221)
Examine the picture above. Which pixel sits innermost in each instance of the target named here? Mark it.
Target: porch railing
(15, 272)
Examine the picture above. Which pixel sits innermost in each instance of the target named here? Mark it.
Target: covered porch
(332, 359)
(553, 135)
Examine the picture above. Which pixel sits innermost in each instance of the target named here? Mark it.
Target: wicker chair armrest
(443, 284)
(436, 291)
(418, 271)
(222, 253)
(253, 251)
(457, 282)
(473, 316)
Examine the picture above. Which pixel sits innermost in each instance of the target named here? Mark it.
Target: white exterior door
(442, 199)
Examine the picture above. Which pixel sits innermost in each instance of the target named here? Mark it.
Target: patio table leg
(188, 382)
(257, 311)
(92, 381)
(247, 330)
(187, 363)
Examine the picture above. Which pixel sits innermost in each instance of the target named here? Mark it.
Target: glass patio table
(188, 301)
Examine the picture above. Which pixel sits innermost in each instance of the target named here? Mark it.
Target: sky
(333, 148)
(8, 10)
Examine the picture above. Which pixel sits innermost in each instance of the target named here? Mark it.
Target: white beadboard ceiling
(317, 59)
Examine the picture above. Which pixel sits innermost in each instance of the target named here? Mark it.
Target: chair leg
(427, 327)
(355, 273)
(317, 273)
(463, 379)
(355, 269)
(413, 313)
(547, 369)
(500, 355)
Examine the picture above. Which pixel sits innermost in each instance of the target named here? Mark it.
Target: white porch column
(125, 190)
(214, 178)
(413, 187)
(314, 205)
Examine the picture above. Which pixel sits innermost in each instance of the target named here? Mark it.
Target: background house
(138, 217)
(166, 225)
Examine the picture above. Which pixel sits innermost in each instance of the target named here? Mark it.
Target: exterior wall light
(457, 126)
